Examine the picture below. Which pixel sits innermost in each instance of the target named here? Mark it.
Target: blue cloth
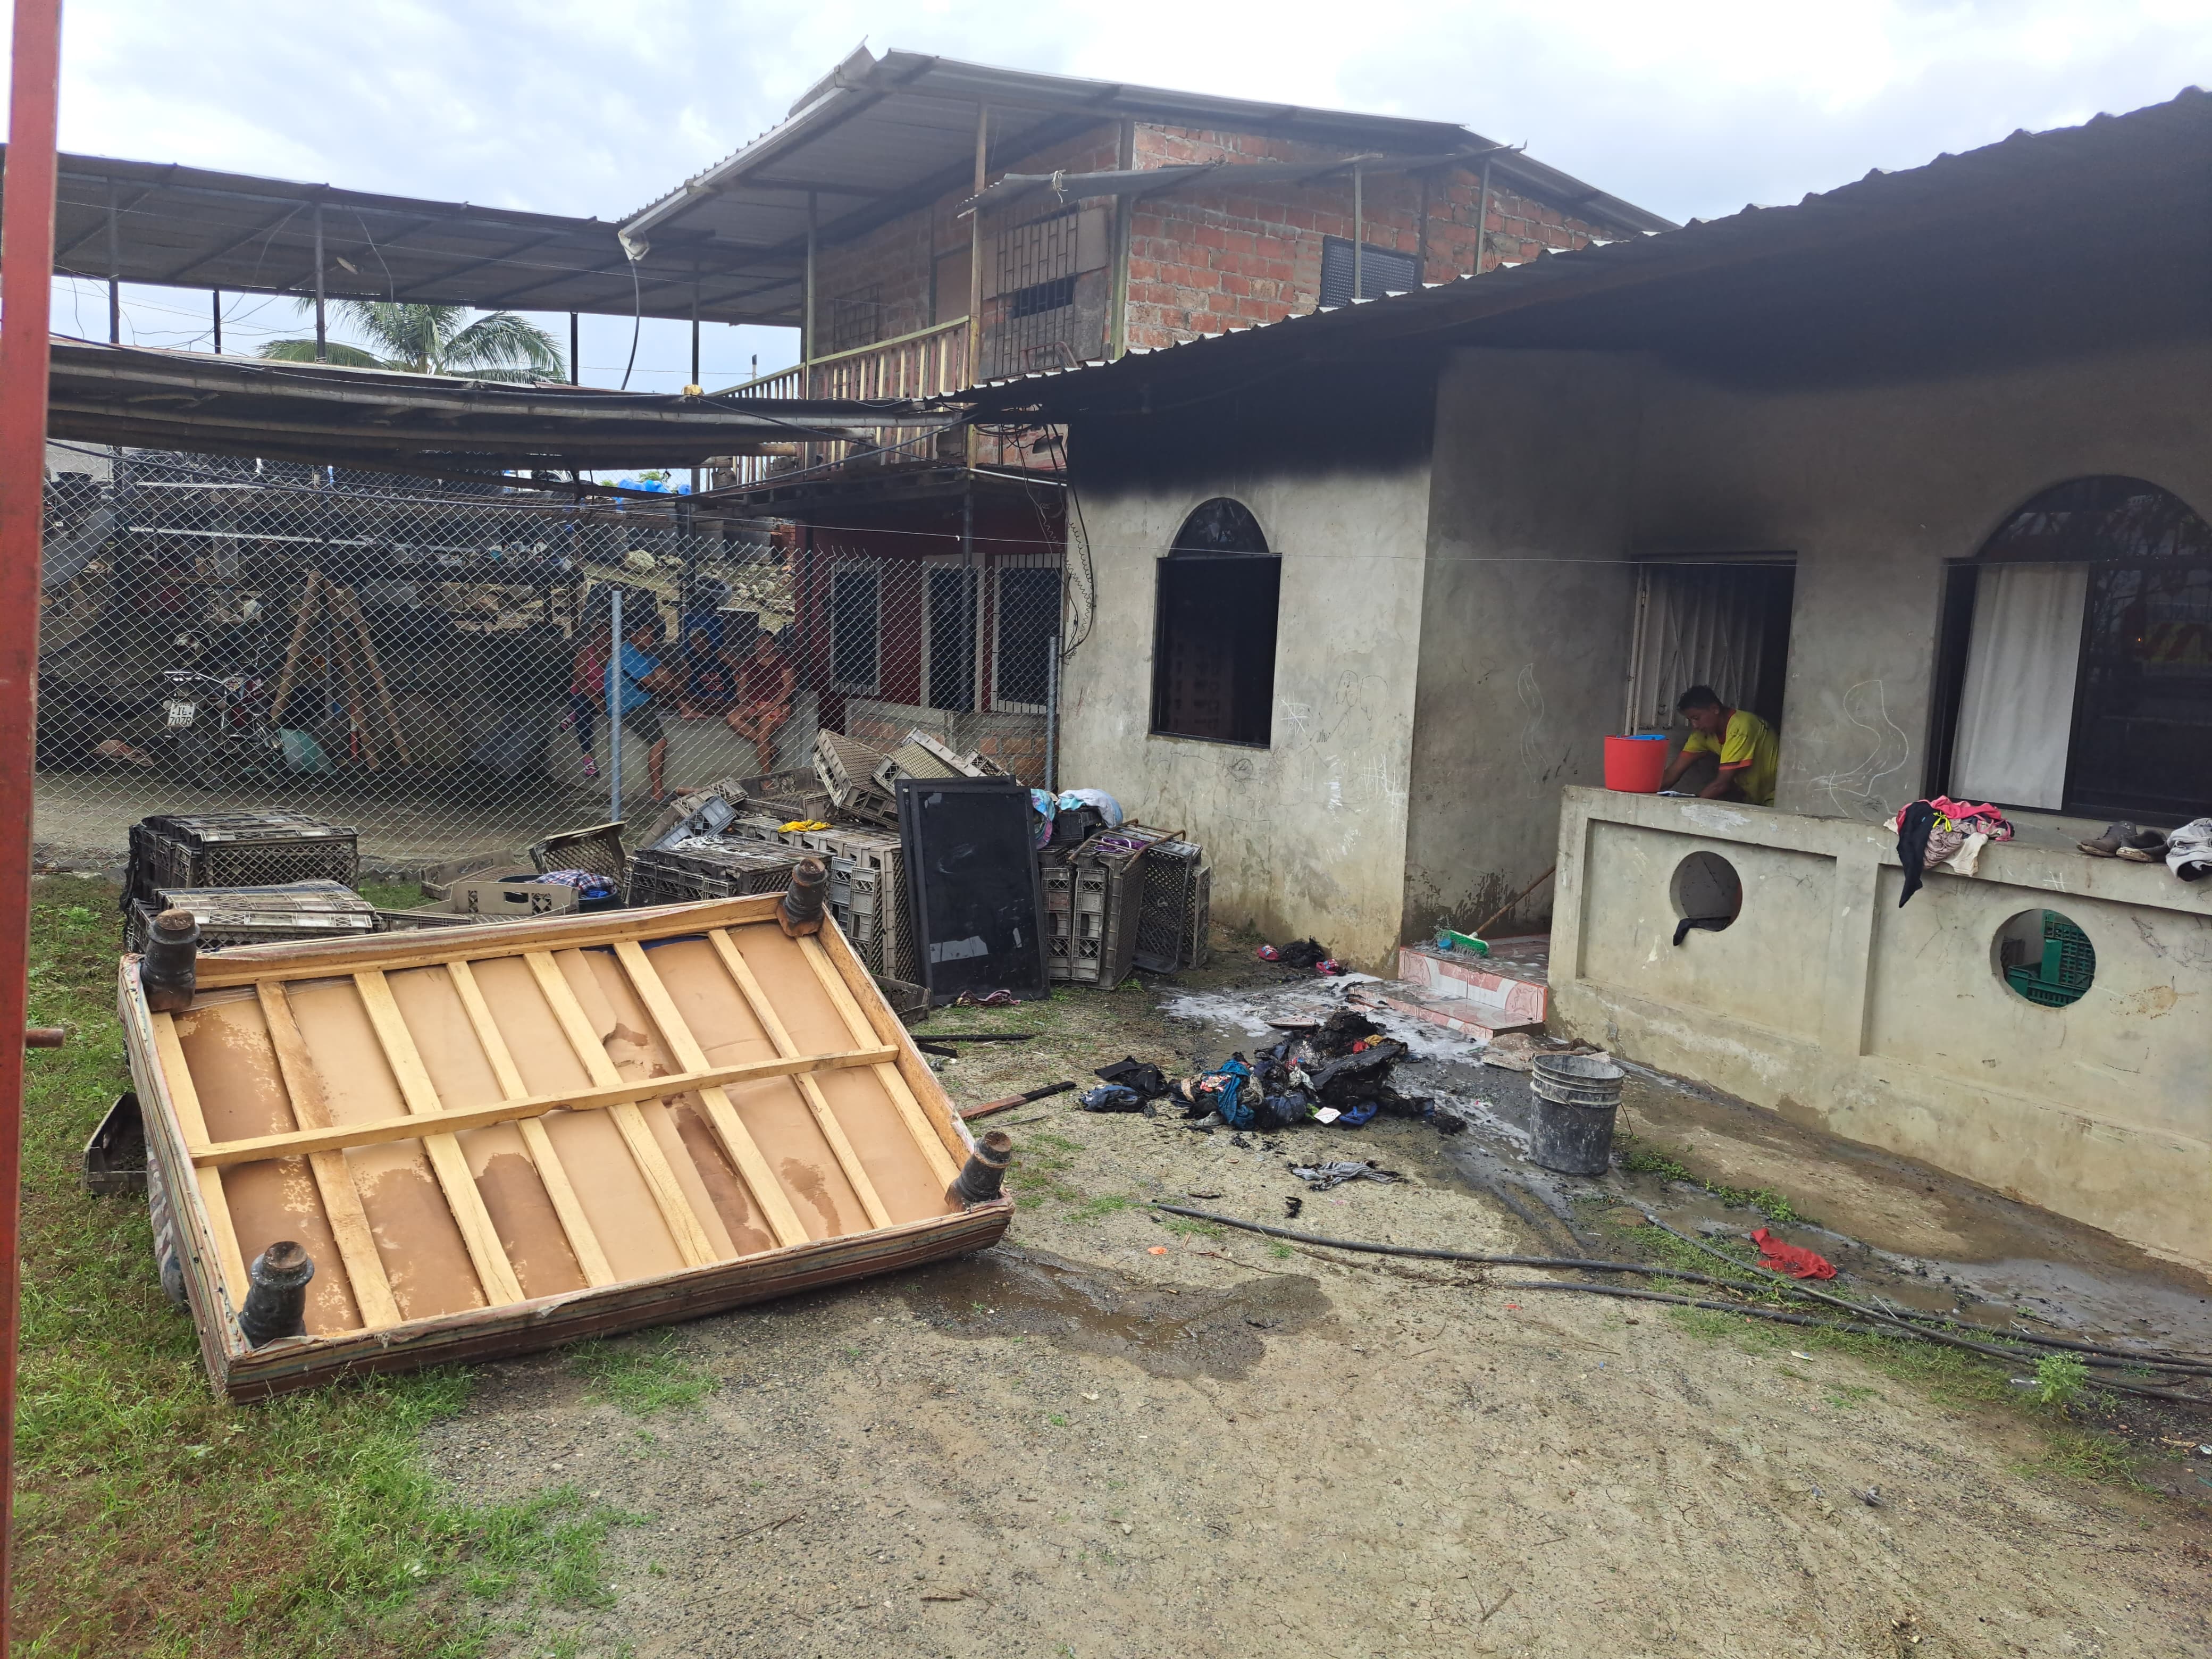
(634, 665)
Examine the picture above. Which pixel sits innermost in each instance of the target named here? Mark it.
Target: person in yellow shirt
(1749, 751)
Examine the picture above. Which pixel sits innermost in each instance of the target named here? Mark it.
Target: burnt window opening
(1041, 297)
(1213, 649)
(1382, 271)
(2077, 663)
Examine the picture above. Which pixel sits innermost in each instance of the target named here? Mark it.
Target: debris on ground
(1320, 1177)
(1516, 1051)
(1792, 1259)
(1304, 954)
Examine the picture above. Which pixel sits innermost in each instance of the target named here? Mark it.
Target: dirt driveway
(1119, 1435)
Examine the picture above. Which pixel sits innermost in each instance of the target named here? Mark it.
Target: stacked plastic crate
(708, 867)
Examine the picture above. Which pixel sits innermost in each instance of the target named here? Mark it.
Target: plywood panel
(590, 1144)
(424, 1257)
(234, 1069)
(522, 1213)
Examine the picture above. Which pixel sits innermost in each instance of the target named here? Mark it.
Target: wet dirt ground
(1122, 1433)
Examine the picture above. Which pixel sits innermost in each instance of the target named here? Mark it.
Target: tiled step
(1476, 996)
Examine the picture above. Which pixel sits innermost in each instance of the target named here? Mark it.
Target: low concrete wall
(1892, 1026)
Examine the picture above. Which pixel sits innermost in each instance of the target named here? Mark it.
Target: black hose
(1897, 1322)
(1777, 1313)
(1887, 1325)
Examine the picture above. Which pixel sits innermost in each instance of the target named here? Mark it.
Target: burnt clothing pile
(1128, 1086)
(1307, 955)
(1336, 1071)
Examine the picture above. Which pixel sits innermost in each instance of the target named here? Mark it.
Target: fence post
(612, 699)
(1051, 716)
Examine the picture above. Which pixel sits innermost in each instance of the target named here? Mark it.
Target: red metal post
(26, 235)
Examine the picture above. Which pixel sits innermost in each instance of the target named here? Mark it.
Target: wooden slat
(913, 1070)
(749, 987)
(583, 1240)
(334, 959)
(737, 1140)
(186, 1099)
(372, 1291)
(668, 1194)
(856, 1024)
(494, 1271)
(460, 1120)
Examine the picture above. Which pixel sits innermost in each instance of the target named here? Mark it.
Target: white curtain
(2017, 712)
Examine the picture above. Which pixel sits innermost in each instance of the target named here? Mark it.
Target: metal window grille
(418, 662)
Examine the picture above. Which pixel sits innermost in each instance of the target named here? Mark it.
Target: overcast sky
(1692, 108)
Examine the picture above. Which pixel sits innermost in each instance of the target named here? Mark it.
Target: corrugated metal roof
(2026, 172)
(879, 135)
(326, 413)
(191, 228)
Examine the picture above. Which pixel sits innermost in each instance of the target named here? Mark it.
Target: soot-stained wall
(1306, 835)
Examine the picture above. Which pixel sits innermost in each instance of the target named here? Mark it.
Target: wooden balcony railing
(930, 363)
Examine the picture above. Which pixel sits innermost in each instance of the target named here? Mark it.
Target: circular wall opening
(2045, 957)
(1707, 891)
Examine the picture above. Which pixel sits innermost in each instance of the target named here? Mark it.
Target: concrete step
(1476, 996)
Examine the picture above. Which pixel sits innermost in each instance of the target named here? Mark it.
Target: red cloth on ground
(1792, 1259)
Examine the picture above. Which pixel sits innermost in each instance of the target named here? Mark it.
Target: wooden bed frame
(503, 1138)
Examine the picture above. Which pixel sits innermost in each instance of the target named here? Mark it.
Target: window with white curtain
(2083, 646)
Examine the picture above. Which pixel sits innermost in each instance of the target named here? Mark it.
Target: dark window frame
(1334, 285)
(1210, 592)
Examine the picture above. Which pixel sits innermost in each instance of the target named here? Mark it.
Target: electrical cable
(636, 315)
(1885, 1324)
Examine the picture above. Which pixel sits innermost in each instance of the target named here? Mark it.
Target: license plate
(181, 713)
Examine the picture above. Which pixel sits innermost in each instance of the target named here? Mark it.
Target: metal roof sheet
(189, 227)
(326, 413)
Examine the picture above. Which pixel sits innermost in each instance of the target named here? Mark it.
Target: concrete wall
(1555, 470)
(1893, 1026)
(1307, 835)
(1524, 622)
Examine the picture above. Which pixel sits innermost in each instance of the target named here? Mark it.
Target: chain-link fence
(438, 665)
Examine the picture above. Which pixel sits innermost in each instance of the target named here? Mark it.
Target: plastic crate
(597, 850)
(2067, 966)
(197, 850)
(846, 768)
(703, 869)
(1057, 878)
(1168, 884)
(231, 916)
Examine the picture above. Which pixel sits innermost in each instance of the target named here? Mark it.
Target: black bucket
(1577, 1097)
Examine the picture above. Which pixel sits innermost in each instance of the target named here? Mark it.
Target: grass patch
(1184, 1227)
(153, 1518)
(1638, 1160)
(1106, 1204)
(642, 1374)
(392, 895)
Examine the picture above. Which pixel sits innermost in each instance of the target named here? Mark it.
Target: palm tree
(421, 339)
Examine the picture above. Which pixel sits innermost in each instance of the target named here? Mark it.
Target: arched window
(1213, 640)
(2083, 632)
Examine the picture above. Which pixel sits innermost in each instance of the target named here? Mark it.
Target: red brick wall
(1202, 260)
(894, 260)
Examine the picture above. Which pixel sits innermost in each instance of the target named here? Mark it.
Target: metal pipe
(1358, 237)
(1117, 343)
(322, 329)
(1482, 220)
(612, 700)
(804, 900)
(1051, 716)
(974, 371)
(169, 972)
(27, 227)
(574, 355)
(984, 1177)
(114, 273)
(807, 342)
(276, 1294)
(215, 297)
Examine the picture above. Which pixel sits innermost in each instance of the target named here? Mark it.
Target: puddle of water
(1183, 1331)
